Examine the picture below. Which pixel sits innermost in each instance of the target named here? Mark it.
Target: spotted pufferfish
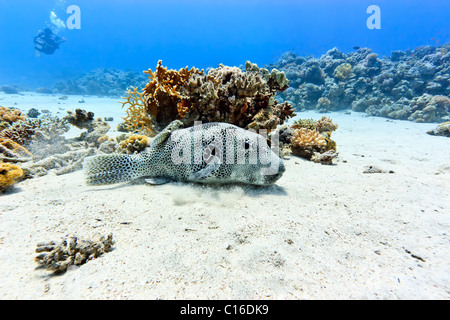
(207, 153)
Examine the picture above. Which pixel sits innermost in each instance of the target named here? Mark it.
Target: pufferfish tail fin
(111, 168)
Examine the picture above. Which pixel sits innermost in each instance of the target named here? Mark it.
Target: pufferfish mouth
(269, 179)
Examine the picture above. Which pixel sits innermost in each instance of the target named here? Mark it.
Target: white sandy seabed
(322, 232)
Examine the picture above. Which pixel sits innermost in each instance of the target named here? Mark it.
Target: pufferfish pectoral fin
(158, 181)
(205, 172)
(160, 138)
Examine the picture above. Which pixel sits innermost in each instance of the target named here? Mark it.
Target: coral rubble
(71, 251)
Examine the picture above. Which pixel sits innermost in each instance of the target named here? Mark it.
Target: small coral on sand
(9, 175)
(305, 142)
(71, 251)
(134, 144)
(325, 124)
(309, 139)
(442, 130)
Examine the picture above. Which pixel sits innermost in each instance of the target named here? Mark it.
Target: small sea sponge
(9, 175)
(343, 71)
(10, 115)
(133, 144)
(71, 251)
(305, 142)
(325, 124)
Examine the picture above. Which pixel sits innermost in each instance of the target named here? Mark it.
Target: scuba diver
(47, 42)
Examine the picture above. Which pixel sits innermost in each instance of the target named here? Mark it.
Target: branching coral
(137, 119)
(225, 94)
(9, 175)
(71, 251)
(10, 115)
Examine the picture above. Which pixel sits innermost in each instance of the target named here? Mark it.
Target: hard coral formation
(10, 115)
(343, 71)
(309, 139)
(134, 144)
(9, 175)
(305, 142)
(71, 251)
(225, 94)
(137, 119)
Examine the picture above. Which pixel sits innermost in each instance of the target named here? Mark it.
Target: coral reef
(410, 85)
(442, 130)
(101, 82)
(224, 94)
(9, 175)
(71, 251)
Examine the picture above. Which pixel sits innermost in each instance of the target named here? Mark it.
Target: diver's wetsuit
(47, 42)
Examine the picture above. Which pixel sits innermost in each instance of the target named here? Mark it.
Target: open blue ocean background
(135, 34)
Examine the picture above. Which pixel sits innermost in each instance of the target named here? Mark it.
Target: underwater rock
(57, 257)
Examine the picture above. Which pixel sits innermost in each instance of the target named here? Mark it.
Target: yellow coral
(137, 119)
(12, 149)
(166, 82)
(10, 115)
(307, 138)
(343, 71)
(133, 144)
(9, 174)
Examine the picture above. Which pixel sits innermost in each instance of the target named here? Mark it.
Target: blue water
(135, 34)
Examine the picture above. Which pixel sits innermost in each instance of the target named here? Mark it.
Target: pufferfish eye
(247, 145)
